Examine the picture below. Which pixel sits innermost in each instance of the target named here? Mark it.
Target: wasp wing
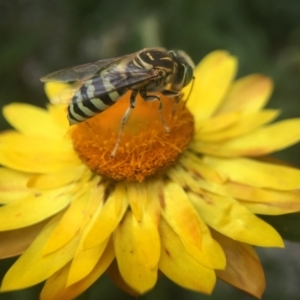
(81, 72)
(77, 76)
(105, 75)
(87, 71)
(114, 80)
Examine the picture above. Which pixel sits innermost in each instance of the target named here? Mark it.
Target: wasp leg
(174, 94)
(169, 93)
(124, 121)
(149, 98)
(177, 100)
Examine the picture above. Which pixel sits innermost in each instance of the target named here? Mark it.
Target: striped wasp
(98, 85)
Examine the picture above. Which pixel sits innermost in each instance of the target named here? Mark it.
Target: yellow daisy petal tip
(217, 69)
(9, 107)
(215, 58)
(11, 111)
(52, 89)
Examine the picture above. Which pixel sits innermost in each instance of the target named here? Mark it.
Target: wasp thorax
(157, 59)
(145, 148)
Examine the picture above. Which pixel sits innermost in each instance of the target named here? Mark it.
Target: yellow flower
(183, 204)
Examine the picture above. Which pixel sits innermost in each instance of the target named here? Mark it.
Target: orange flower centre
(145, 147)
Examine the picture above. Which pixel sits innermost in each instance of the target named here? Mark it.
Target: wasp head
(185, 66)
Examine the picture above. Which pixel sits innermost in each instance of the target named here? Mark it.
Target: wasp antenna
(190, 91)
(177, 100)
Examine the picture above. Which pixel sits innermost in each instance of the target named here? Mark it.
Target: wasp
(98, 85)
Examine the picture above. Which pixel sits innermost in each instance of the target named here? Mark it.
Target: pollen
(145, 149)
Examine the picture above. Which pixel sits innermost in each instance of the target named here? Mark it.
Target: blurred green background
(39, 36)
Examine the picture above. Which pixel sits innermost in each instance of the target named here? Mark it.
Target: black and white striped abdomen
(93, 97)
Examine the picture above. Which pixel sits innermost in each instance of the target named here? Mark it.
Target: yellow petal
(55, 287)
(57, 179)
(132, 266)
(245, 124)
(212, 78)
(259, 195)
(257, 200)
(243, 268)
(36, 155)
(31, 120)
(108, 218)
(114, 274)
(184, 220)
(79, 217)
(178, 265)
(15, 242)
(13, 185)
(33, 267)
(249, 93)
(272, 208)
(266, 140)
(256, 173)
(227, 216)
(196, 164)
(70, 224)
(263, 201)
(84, 262)
(145, 225)
(52, 89)
(33, 208)
(137, 198)
(147, 238)
(194, 182)
(58, 114)
(259, 142)
(216, 123)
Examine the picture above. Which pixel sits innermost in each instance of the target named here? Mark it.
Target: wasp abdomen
(86, 102)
